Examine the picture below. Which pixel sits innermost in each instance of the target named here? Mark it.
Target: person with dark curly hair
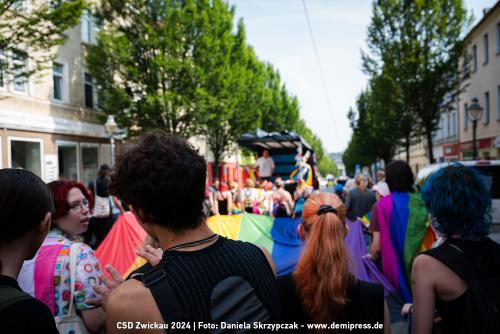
(459, 206)
(202, 276)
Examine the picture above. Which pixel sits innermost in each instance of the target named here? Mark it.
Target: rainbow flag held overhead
(404, 232)
(304, 171)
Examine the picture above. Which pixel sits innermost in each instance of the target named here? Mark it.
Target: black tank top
(365, 305)
(226, 281)
(479, 253)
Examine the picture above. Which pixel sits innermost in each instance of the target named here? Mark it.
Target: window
(19, 69)
(57, 75)
(454, 123)
(67, 160)
(486, 111)
(498, 103)
(89, 91)
(26, 154)
(3, 69)
(448, 125)
(474, 58)
(485, 49)
(466, 118)
(86, 26)
(90, 162)
(498, 37)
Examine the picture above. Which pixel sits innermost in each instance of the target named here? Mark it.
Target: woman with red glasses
(48, 276)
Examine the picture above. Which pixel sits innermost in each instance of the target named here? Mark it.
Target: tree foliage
(418, 45)
(182, 66)
(143, 62)
(38, 27)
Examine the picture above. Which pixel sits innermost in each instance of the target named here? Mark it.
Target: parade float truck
(293, 156)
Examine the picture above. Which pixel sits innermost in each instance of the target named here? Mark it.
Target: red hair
(60, 190)
(322, 276)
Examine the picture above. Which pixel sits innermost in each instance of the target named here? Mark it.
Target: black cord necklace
(194, 243)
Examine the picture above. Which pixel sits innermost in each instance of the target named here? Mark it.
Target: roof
(285, 140)
(483, 19)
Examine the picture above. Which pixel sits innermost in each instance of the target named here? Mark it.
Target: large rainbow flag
(404, 232)
(278, 235)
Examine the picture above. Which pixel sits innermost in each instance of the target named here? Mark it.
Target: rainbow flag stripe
(277, 235)
(118, 248)
(308, 175)
(366, 219)
(404, 232)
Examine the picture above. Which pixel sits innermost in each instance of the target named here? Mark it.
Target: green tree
(419, 44)
(143, 63)
(355, 154)
(230, 91)
(280, 110)
(377, 121)
(39, 27)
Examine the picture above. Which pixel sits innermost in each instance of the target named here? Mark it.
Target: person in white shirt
(265, 164)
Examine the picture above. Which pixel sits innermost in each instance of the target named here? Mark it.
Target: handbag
(71, 322)
(102, 208)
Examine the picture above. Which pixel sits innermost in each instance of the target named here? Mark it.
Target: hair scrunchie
(325, 209)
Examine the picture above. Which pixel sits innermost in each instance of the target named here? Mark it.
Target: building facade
(49, 123)
(483, 45)
(453, 138)
(446, 145)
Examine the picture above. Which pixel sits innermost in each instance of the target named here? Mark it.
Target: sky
(278, 31)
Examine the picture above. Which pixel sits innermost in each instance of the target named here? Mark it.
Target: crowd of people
(50, 280)
(263, 198)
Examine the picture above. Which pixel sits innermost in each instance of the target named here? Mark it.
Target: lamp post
(110, 126)
(474, 112)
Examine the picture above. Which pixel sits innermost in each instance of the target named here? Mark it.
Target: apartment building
(453, 138)
(483, 44)
(50, 124)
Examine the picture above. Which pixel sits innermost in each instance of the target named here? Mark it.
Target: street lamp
(474, 112)
(110, 126)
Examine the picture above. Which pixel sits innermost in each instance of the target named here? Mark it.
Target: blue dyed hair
(459, 202)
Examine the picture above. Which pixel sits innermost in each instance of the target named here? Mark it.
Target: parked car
(489, 170)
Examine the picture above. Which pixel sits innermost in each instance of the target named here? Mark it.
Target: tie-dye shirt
(47, 275)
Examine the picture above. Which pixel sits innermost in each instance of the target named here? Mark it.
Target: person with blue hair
(445, 278)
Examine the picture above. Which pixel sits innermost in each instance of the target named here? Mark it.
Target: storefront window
(90, 162)
(26, 155)
(67, 160)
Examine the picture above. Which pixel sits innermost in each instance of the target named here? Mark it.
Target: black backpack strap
(455, 259)
(163, 294)
(10, 296)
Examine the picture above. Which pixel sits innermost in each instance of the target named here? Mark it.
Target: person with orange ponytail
(322, 289)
